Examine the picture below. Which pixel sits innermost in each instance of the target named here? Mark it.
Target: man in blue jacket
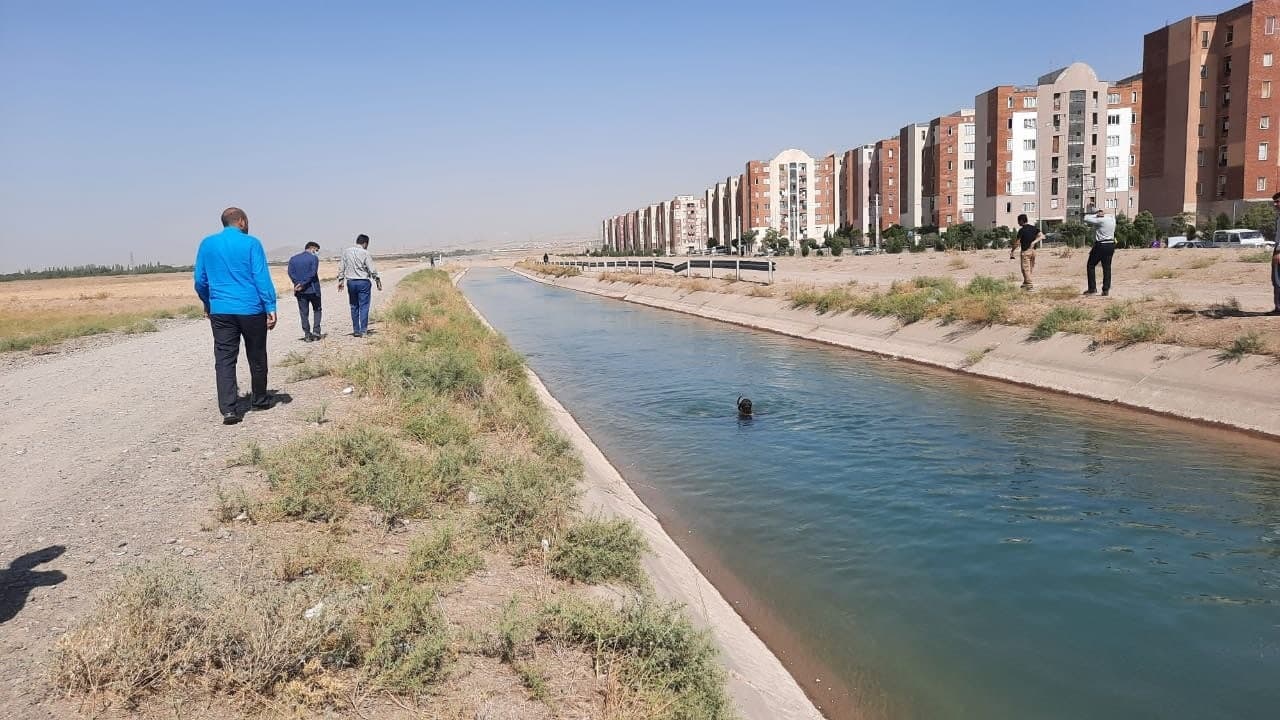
(240, 300)
(304, 271)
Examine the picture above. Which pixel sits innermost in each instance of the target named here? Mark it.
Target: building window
(1204, 71)
(1133, 160)
(1200, 130)
(1053, 203)
(1264, 150)
(1222, 185)
(1266, 88)
(949, 165)
(1028, 102)
(967, 215)
(890, 153)
(1113, 183)
(1270, 26)
(1113, 141)
(1029, 186)
(1029, 144)
(968, 199)
(1113, 118)
(968, 164)
(1199, 189)
(1226, 66)
(1231, 35)
(1029, 123)
(1264, 122)
(1222, 156)
(1111, 203)
(1204, 38)
(1262, 184)
(970, 147)
(1008, 143)
(1268, 59)
(1204, 99)
(1226, 96)
(1113, 98)
(1226, 126)
(1028, 165)
(1199, 158)
(1113, 162)
(1028, 207)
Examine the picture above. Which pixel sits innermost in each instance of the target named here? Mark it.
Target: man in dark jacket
(304, 272)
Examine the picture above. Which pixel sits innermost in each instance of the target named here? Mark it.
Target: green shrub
(671, 666)
(409, 641)
(445, 556)
(599, 551)
(1059, 319)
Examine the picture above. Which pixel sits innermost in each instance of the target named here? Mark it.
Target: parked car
(1191, 244)
(864, 251)
(719, 250)
(1240, 237)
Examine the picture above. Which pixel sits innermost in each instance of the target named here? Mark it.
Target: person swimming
(744, 406)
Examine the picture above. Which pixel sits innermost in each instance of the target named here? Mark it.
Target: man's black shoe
(1089, 292)
(309, 338)
(1106, 293)
(230, 418)
(264, 404)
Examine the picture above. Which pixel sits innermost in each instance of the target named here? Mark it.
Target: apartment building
(1210, 141)
(911, 206)
(687, 223)
(1055, 150)
(724, 222)
(855, 189)
(948, 185)
(791, 194)
(885, 169)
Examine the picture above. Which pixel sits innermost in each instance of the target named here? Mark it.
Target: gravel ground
(113, 447)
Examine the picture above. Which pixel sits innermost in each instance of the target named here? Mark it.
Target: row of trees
(70, 271)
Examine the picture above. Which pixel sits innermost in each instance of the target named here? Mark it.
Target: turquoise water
(948, 547)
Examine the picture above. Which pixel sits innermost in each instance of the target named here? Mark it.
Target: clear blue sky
(128, 126)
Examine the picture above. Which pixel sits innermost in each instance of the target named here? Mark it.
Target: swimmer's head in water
(744, 405)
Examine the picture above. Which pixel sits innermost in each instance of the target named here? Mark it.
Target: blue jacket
(304, 269)
(231, 275)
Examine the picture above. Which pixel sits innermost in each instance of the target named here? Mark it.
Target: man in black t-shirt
(1029, 238)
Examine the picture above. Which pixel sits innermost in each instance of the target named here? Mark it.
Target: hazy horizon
(127, 129)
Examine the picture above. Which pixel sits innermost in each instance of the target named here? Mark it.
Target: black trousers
(305, 303)
(1101, 253)
(227, 331)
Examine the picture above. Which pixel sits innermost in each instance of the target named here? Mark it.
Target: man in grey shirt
(1104, 246)
(355, 270)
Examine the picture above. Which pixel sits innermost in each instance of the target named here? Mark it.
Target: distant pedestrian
(1029, 238)
(1275, 257)
(1104, 247)
(304, 271)
(545, 259)
(239, 299)
(356, 272)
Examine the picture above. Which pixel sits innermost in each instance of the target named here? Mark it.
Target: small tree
(772, 239)
(837, 244)
(894, 244)
(1145, 227)
(1074, 233)
(855, 236)
(749, 240)
(1261, 217)
(1127, 234)
(1183, 224)
(962, 236)
(1222, 222)
(711, 242)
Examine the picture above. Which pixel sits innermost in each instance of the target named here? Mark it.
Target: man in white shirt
(1104, 246)
(356, 271)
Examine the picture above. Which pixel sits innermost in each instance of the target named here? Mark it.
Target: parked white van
(1240, 238)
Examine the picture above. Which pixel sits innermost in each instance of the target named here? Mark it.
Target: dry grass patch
(1164, 274)
(549, 270)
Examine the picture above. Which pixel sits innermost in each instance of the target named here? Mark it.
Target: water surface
(948, 547)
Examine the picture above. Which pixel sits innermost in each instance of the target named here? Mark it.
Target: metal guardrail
(736, 264)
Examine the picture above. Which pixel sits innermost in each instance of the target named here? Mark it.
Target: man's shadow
(17, 580)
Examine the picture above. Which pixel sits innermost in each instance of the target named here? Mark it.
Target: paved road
(110, 457)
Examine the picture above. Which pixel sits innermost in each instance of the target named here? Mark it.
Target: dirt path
(111, 456)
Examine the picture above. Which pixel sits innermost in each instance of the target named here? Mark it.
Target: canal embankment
(761, 687)
(1198, 384)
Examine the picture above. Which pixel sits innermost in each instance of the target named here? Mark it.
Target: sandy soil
(112, 452)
